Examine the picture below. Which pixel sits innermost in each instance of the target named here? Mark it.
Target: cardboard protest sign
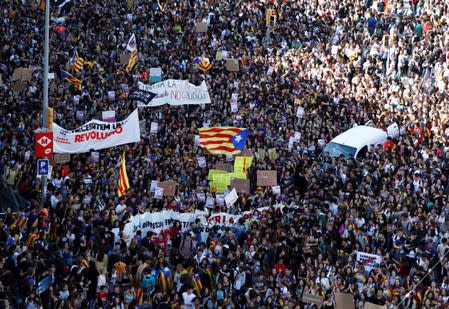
(240, 185)
(201, 27)
(17, 74)
(223, 167)
(60, 158)
(168, 186)
(344, 301)
(18, 86)
(23, 74)
(232, 65)
(312, 299)
(242, 163)
(372, 306)
(267, 178)
(124, 59)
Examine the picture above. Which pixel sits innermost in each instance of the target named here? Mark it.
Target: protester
(320, 68)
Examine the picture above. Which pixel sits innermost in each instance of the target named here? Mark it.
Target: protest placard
(344, 301)
(266, 178)
(231, 198)
(372, 306)
(153, 127)
(201, 27)
(223, 167)
(232, 65)
(312, 299)
(61, 158)
(240, 185)
(168, 186)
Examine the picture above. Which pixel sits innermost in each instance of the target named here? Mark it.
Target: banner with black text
(96, 135)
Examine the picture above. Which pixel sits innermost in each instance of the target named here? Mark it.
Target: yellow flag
(242, 164)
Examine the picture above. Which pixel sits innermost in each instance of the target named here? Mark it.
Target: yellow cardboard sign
(242, 164)
(213, 172)
(238, 175)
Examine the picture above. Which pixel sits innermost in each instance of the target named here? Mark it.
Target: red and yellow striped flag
(132, 61)
(41, 5)
(204, 65)
(223, 140)
(123, 182)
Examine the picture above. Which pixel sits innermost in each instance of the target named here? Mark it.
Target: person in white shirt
(120, 207)
(199, 257)
(188, 298)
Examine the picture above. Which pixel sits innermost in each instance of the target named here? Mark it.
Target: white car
(356, 141)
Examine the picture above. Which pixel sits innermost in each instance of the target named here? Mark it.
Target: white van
(355, 142)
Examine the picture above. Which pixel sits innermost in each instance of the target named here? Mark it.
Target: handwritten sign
(240, 185)
(267, 178)
(169, 187)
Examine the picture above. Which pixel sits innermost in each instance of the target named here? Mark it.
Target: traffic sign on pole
(44, 145)
(42, 167)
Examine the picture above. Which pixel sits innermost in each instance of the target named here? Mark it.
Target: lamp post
(45, 93)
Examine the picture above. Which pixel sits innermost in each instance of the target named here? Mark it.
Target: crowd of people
(320, 68)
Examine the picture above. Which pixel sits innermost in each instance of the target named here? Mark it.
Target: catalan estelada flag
(204, 65)
(71, 79)
(197, 284)
(132, 61)
(223, 140)
(77, 62)
(123, 182)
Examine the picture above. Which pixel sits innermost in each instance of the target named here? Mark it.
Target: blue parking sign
(42, 167)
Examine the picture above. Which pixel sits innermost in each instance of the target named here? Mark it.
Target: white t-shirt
(120, 208)
(187, 298)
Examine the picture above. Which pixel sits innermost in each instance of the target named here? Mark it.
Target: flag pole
(45, 92)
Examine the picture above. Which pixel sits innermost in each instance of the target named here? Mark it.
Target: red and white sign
(44, 145)
(96, 135)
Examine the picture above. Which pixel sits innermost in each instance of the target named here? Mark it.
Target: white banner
(369, 260)
(176, 92)
(159, 221)
(96, 135)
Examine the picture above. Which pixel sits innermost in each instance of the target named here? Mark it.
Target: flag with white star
(223, 140)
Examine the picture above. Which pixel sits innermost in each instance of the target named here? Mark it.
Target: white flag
(132, 44)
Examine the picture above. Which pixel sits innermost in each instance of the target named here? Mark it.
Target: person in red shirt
(389, 145)
(280, 266)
